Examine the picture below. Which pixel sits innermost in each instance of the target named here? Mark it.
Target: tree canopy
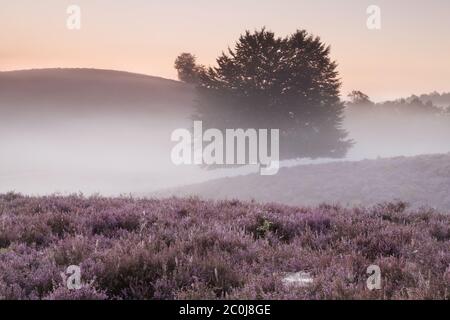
(359, 98)
(287, 83)
(187, 69)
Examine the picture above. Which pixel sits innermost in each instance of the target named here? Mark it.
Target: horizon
(145, 38)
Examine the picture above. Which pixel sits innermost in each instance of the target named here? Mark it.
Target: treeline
(424, 104)
(439, 99)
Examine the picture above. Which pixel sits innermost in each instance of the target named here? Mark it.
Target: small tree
(359, 98)
(188, 70)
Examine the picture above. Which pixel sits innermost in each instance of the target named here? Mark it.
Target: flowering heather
(187, 249)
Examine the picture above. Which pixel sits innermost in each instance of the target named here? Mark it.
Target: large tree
(287, 83)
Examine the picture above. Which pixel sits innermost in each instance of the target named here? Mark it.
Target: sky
(409, 54)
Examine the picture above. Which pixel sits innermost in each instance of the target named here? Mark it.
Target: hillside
(70, 130)
(67, 91)
(420, 181)
(185, 248)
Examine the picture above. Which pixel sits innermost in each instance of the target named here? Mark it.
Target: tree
(287, 83)
(188, 70)
(358, 98)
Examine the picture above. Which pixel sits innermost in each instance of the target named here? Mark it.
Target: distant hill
(89, 90)
(70, 130)
(420, 181)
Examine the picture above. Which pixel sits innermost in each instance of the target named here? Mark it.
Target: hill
(420, 181)
(185, 248)
(66, 130)
(56, 91)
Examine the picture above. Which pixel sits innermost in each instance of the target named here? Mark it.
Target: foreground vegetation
(186, 248)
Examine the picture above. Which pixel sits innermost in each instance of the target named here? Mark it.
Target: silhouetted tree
(187, 68)
(287, 83)
(359, 98)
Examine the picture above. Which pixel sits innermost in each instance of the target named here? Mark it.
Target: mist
(116, 140)
(387, 134)
(123, 153)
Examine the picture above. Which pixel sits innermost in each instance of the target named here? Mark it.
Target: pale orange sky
(410, 54)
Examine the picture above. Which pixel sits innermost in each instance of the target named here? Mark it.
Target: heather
(174, 248)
